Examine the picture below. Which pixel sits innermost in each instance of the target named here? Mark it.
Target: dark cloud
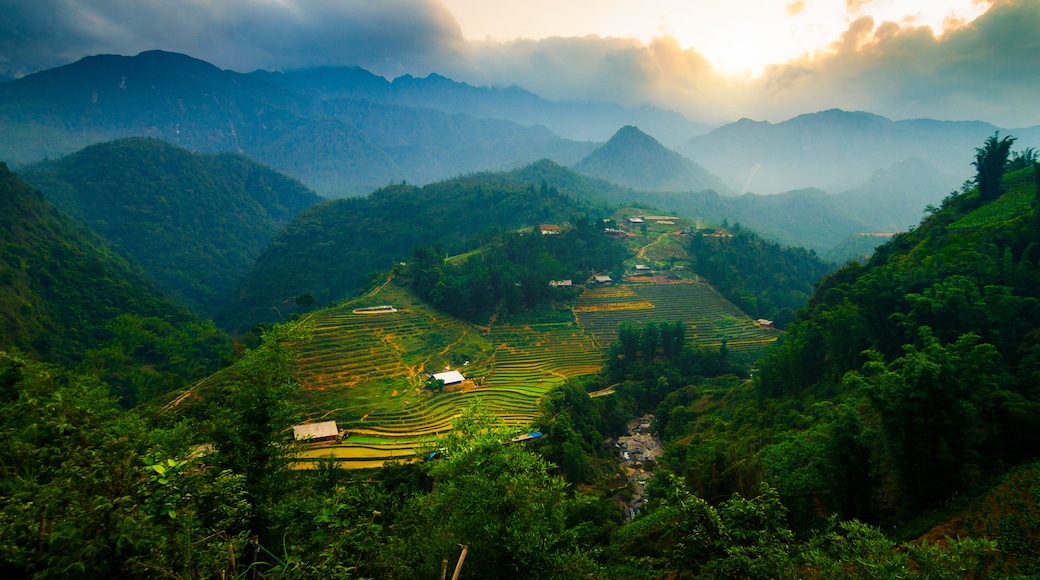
(387, 36)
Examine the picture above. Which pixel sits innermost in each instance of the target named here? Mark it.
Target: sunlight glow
(739, 37)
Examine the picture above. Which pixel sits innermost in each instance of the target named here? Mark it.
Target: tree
(628, 338)
(932, 403)
(990, 163)
(1022, 159)
(500, 500)
(650, 340)
(305, 301)
(251, 415)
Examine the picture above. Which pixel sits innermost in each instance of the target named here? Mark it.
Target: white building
(450, 377)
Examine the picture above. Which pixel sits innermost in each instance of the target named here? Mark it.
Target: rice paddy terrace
(366, 366)
(367, 369)
(709, 318)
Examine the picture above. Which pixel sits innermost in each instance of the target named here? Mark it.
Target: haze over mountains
(838, 150)
(345, 131)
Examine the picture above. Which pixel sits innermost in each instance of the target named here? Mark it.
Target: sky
(713, 61)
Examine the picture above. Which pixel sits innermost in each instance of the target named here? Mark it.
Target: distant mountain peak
(635, 159)
(632, 136)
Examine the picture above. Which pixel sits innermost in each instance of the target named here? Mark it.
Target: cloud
(389, 36)
(795, 8)
(986, 69)
(983, 70)
(855, 7)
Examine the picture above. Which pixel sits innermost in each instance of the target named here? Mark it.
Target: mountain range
(345, 131)
(838, 150)
(341, 131)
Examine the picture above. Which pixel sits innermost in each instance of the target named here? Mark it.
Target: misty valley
(317, 323)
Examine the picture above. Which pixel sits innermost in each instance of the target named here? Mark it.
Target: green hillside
(808, 218)
(195, 223)
(67, 298)
(331, 250)
(931, 349)
(841, 474)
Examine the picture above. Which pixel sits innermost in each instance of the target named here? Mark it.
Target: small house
(635, 220)
(316, 432)
(550, 230)
(561, 283)
(764, 323)
(602, 279)
(642, 268)
(449, 378)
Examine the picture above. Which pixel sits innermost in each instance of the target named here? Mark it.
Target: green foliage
(990, 163)
(86, 492)
(764, 279)
(250, 422)
(927, 349)
(739, 538)
(195, 223)
(512, 273)
(68, 299)
(931, 402)
(327, 250)
(500, 500)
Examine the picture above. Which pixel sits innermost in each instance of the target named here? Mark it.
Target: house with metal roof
(316, 432)
(449, 378)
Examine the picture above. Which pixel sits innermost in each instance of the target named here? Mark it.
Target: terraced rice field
(366, 371)
(357, 359)
(374, 356)
(708, 316)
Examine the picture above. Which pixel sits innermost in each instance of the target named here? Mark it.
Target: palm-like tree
(990, 162)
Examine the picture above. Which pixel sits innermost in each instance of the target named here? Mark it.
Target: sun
(739, 37)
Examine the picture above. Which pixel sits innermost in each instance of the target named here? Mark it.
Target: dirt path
(641, 254)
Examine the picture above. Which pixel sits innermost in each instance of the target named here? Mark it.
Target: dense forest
(67, 298)
(195, 223)
(764, 279)
(516, 272)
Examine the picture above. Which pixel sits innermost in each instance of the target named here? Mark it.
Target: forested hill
(195, 223)
(330, 250)
(65, 298)
(932, 348)
(635, 159)
(763, 278)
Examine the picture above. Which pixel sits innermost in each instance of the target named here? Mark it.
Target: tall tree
(990, 163)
